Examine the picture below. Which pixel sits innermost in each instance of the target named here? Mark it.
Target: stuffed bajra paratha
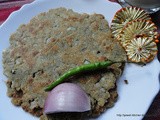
(54, 42)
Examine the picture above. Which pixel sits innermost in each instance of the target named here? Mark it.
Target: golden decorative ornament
(141, 50)
(138, 28)
(125, 15)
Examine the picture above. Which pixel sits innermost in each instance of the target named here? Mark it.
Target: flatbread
(54, 42)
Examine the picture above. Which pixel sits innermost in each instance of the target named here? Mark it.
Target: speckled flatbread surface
(54, 42)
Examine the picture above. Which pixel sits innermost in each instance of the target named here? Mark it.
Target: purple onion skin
(67, 97)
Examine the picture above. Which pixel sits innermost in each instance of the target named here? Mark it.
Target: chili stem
(77, 70)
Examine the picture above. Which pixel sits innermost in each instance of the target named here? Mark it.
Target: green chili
(77, 70)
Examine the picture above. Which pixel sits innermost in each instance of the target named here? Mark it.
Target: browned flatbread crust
(54, 42)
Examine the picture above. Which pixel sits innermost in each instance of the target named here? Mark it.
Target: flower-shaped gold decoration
(125, 15)
(138, 28)
(141, 50)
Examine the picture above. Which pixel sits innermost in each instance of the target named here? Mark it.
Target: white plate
(134, 98)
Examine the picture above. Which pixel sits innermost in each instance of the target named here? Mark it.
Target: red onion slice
(67, 97)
